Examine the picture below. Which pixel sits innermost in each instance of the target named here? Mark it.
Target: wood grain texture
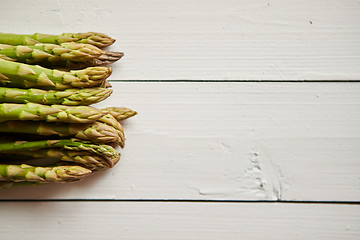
(127, 220)
(212, 39)
(237, 141)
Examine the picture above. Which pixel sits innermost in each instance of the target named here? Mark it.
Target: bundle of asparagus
(46, 108)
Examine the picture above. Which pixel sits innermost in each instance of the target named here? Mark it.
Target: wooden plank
(256, 141)
(213, 39)
(150, 220)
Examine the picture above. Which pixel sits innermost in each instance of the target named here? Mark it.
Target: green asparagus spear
(120, 113)
(96, 132)
(53, 113)
(69, 144)
(103, 60)
(111, 121)
(93, 38)
(83, 96)
(24, 172)
(89, 160)
(76, 52)
(71, 55)
(106, 84)
(13, 74)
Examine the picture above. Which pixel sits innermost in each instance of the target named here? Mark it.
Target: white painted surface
(287, 141)
(144, 220)
(212, 39)
(234, 141)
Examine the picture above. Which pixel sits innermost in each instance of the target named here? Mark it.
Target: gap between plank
(183, 201)
(242, 81)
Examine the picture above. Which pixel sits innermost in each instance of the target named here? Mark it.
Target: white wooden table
(248, 124)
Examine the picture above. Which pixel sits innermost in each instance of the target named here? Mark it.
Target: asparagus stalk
(96, 132)
(13, 74)
(111, 121)
(24, 172)
(120, 113)
(71, 55)
(93, 38)
(76, 52)
(69, 144)
(106, 84)
(105, 59)
(53, 113)
(84, 96)
(89, 160)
